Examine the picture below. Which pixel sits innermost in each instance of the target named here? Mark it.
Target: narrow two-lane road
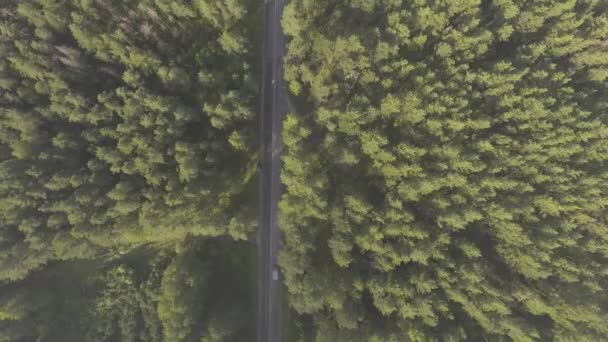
(274, 108)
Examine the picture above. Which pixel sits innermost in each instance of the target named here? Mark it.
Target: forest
(127, 170)
(446, 172)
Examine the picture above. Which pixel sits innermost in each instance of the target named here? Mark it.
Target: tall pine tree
(446, 174)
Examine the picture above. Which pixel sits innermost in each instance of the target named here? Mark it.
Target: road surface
(274, 107)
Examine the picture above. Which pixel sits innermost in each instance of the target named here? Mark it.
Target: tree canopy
(186, 294)
(125, 125)
(446, 173)
(122, 123)
(445, 170)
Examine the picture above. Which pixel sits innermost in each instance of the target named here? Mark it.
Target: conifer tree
(446, 173)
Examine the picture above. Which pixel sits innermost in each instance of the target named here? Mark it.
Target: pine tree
(448, 160)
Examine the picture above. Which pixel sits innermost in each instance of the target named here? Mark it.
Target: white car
(275, 274)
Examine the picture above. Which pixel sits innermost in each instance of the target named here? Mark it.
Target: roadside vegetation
(127, 162)
(446, 174)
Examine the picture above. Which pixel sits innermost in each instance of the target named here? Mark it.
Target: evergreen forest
(127, 170)
(444, 170)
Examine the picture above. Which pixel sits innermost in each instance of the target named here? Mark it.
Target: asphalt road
(274, 108)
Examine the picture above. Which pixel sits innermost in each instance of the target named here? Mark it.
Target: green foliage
(122, 124)
(108, 138)
(446, 177)
(48, 305)
(147, 295)
(114, 309)
(183, 292)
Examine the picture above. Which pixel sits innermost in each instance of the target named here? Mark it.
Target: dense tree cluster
(447, 175)
(149, 296)
(124, 124)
